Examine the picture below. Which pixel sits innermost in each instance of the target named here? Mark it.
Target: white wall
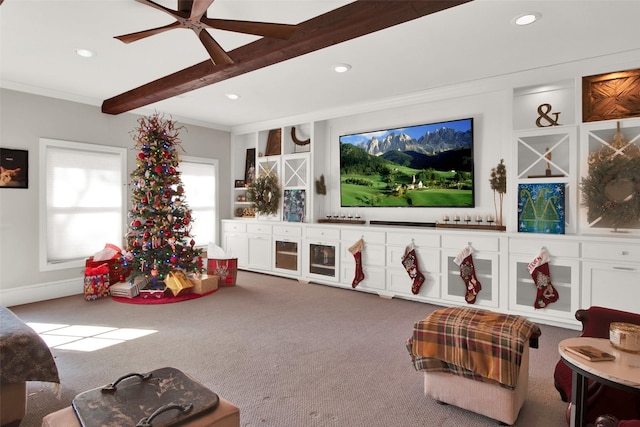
(26, 118)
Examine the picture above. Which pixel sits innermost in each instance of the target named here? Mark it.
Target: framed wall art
(293, 207)
(250, 166)
(611, 96)
(541, 208)
(14, 168)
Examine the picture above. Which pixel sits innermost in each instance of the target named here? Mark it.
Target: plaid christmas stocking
(356, 250)
(410, 263)
(539, 270)
(468, 274)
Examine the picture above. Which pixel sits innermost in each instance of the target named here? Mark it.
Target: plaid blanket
(477, 344)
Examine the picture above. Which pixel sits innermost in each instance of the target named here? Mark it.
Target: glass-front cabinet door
(287, 256)
(323, 262)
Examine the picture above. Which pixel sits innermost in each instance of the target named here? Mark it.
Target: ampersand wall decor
(543, 111)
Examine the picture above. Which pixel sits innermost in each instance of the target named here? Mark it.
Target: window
(82, 200)
(200, 179)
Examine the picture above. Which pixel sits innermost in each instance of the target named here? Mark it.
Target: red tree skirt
(166, 299)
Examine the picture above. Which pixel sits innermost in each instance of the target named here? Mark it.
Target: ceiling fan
(192, 14)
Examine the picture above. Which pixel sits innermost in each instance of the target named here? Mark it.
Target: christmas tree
(158, 239)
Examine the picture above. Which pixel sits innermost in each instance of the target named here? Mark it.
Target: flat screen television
(426, 166)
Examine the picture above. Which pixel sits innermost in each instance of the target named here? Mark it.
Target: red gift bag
(96, 282)
(225, 269)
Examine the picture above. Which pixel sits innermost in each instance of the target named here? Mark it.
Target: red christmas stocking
(468, 274)
(356, 250)
(410, 263)
(539, 270)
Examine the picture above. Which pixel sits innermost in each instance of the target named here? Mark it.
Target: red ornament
(174, 259)
(186, 221)
(158, 169)
(136, 224)
(141, 156)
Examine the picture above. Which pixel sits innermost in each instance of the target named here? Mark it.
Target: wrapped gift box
(225, 269)
(153, 290)
(117, 272)
(204, 284)
(178, 283)
(124, 289)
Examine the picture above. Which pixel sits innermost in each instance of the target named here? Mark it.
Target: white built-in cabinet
(610, 275)
(259, 249)
(564, 269)
(234, 240)
(287, 250)
(274, 151)
(373, 258)
(321, 255)
(486, 261)
(584, 270)
(589, 265)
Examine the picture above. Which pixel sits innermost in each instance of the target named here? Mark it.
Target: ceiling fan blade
(264, 29)
(174, 13)
(216, 52)
(129, 38)
(199, 8)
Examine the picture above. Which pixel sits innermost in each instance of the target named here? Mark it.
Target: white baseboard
(41, 292)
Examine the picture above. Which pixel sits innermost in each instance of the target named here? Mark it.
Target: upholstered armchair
(602, 399)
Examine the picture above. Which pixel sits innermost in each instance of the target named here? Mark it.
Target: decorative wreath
(612, 189)
(264, 193)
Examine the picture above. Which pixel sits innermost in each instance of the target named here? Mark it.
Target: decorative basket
(625, 336)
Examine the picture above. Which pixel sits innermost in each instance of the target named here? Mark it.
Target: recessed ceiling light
(342, 68)
(233, 96)
(526, 18)
(85, 53)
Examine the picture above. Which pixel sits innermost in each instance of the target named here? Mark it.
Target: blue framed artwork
(541, 208)
(293, 205)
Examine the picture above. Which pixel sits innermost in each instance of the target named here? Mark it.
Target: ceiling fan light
(341, 68)
(85, 53)
(526, 18)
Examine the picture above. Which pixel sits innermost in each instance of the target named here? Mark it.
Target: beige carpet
(287, 354)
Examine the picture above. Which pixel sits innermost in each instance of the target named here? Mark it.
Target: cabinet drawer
(479, 243)
(556, 248)
(323, 233)
(284, 230)
(259, 228)
(611, 252)
(372, 255)
(237, 227)
(352, 236)
(420, 240)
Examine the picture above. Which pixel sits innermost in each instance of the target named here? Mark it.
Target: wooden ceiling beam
(351, 21)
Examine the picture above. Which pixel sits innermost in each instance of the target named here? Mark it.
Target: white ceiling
(38, 39)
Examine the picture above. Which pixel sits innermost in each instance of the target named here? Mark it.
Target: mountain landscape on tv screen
(392, 168)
